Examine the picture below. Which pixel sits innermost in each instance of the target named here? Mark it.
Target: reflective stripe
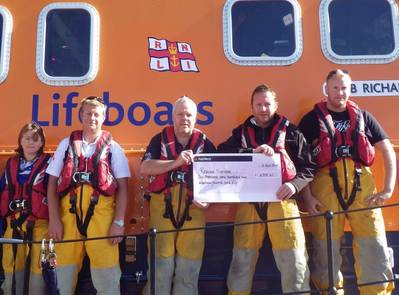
(288, 244)
(241, 271)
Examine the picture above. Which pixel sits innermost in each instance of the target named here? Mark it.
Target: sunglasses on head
(35, 125)
(96, 98)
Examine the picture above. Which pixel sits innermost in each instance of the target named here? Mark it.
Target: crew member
(24, 205)
(87, 194)
(168, 161)
(267, 132)
(344, 137)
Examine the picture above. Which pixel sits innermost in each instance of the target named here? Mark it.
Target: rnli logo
(171, 56)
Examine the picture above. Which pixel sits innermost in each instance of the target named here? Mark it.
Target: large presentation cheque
(220, 178)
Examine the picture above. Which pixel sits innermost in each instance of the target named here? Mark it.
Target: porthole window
(359, 31)
(262, 32)
(68, 44)
(5, 41)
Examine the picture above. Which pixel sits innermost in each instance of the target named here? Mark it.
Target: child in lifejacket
(23, 205)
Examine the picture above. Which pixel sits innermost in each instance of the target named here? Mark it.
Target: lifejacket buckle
(178, 176)
(18, 205)
(343, 151)
(81, 177)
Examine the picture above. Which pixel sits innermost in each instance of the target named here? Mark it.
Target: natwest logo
(138, 113)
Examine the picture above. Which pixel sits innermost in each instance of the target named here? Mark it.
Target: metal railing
(328, 217)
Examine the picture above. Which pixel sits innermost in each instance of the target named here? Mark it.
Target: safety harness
(335, 145)
(182, 176)
(79, 170)
(277, 142)
(24, 203)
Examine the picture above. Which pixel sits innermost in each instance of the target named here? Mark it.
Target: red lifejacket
(276, 141)
(160, 182)
(95, 170)
(30, 197)
(334, 144)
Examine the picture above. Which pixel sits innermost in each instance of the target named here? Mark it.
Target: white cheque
(224, 178)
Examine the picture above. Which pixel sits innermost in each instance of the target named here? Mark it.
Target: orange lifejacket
(163, 181)
(276, 141)
(95, 170)
(28, 198)
(335, 144)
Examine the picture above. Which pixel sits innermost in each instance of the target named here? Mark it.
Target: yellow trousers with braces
(369, 241)
(288, 245)
(104, 257)
(178, 254)
(36, 283)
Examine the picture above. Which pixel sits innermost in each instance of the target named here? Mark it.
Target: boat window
(262, 32)
(1, 31)
(68, 38)
(5, 41)
(359, 31)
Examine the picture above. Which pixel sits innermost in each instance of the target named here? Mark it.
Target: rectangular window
(257, 35)
(359, 30)
(67, 48)
(262, 32)
(68, 44)
(1, 34)
(5, 41)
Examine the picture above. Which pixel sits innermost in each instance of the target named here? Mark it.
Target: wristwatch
(119, 222)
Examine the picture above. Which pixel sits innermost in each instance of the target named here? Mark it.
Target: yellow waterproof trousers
(368, 229)
(104, 257)
(36, 283)
(178, 254)
(288, 245)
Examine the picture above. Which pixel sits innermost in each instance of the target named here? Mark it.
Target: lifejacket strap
(169, 214)
(356, 185)
(72, 201)
(168, 205)
(261, 209)
(29, 237)
(82, 225)
(89, 214)
(16, 225)
(186, 213)
(15, 235)
(337, 189)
